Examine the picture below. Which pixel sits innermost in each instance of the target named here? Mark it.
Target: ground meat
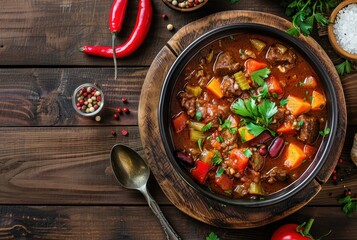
(284, 60)
(256, 161)
(188, 102)
(276, 174)
(309, 130)
(229, 87)
(225, 64)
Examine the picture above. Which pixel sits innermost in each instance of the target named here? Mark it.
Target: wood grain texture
(349, 83)
(43, 96)
(138, 222)
(169, 179)
(42, 32)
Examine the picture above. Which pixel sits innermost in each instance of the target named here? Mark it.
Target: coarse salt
(345, 28)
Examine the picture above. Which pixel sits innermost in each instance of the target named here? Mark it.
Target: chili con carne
(135, 39)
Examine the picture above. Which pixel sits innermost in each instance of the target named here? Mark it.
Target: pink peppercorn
(116, 116)
(85, 94)
(114, 133)
(126, 110)
(124, 100)
(124, 132)
(164, 16)
(99, 98)
(119, 110)
(96, 106)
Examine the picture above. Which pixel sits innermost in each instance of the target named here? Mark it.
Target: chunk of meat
(276, 174)
(256, 161)
(282, 57)
(229, 87)
(309, 130)
(244, 55)
(225, 64)
(188, 102)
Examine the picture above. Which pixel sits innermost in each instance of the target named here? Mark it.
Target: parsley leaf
(267, 109)
(198, 115)
(206, 127)
(283, 101)
(259, 76)
(349, 205)
(226, 124)
(254, 129)
(325, 132)
(343, 67)
(212, 236)
(216, 160)
(301, 123)
(264, 93)
(219, 172)
(220, 139)
(233, 130)
(199, 143)
(239, 107)
(248, 153)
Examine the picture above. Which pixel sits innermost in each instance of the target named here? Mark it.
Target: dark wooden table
(55, 177)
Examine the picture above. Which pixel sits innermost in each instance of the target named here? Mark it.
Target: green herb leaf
(219, 172)
(226, 124)
(233, 130)
(216, 160)
(283, 101)
(325, 132)
(199, 143)
(344, 67)
(232, 37)
(259, 76)
(247, 153)
(212, 236)
(254, 129)
(300, 123)
(349, 205)
(264, 93)
(220, 139)
(239, 107)
(267, 109)
(198, 115)
(206, 127)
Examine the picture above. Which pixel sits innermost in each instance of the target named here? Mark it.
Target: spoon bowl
(132, 172)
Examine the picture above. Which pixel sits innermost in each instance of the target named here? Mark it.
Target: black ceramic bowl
(167, 95)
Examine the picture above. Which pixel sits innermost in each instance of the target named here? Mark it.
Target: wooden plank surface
(133, 222)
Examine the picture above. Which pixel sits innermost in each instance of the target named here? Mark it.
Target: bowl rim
(331, 35)
(74, 101)
(315, 165)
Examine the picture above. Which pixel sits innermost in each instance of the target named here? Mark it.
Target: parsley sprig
(259, 76)
(344, 67)
(349, 205)
(212, 236)
(305, 12)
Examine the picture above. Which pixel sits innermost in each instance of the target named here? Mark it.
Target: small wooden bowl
(331, 34)
(191, 9)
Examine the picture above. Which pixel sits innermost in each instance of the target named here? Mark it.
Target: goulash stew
(249, 116)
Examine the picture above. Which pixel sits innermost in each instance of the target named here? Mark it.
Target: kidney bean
(184, 158)
(262, 150)
(276, 146)
(262, 138)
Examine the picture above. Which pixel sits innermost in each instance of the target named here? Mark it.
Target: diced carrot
(252, 65)
(180, 121)
(309, 150)
(294, 156)
(214, 86)
(286, 128)
(225, 182)
(216, 145)
(237, 160)
(297, 105)
(274, 85)
(310, 82)
(245, 135)
(318, 101)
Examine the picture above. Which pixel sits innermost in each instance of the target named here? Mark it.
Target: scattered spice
(170, 27)
(119, 110)
(126, 110)
(124, 132)
(185, 3)
(98, 118)
(88, 99)
(345, 28)
(164, 16)
(114, 133)
(116, 116)
(124, 100)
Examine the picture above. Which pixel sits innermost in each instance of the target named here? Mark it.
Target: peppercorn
(164, 16)
(119, 110)
(126, 110)
(124, 100)
(98, 118)
(170, 27)
(114, 133)
(124, 132)
(116, 116)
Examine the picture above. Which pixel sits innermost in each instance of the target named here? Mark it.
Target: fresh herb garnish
(300, 123)
(216, 160)
(219, 172)
(301, 84)
(311, 98)
(232, 37)
(233, 130)
(228, 191)
(220, 139)
(227, 125)
(212, 236)
(307, 92)
(283, 101)
(264, 93)
(305, 12)
(258, 117)
(199, 143)
(242, 135)
(349, 205)
(259, 76)
(198, 115)
(206, 127)
(325, 132)
(344, 67)
(233, 1)
(247, 153)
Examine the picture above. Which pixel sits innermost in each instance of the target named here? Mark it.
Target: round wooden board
(176, 189)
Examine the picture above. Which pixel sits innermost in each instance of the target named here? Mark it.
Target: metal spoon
(132, 172)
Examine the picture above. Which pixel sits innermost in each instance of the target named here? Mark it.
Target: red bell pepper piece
(224, 182)
(180, 121)
(201, 171)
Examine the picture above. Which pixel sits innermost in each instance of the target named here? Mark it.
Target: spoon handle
(170, 232)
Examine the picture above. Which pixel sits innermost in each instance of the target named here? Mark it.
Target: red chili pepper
(136, 38)
(201, 171)
(116, 17)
